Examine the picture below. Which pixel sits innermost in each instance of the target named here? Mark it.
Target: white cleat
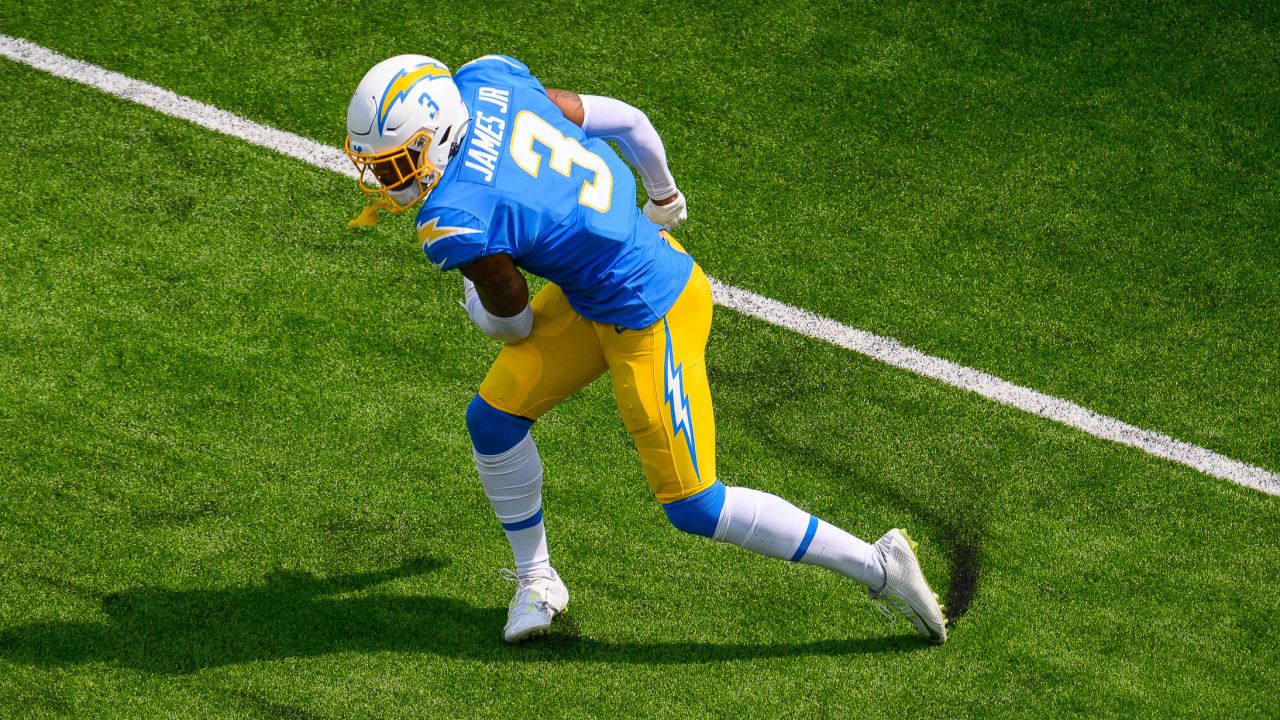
(538, 600)
(905, 590)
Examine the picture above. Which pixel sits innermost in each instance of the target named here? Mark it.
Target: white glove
(670, 215)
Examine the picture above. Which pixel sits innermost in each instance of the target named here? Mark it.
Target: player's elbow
(698, 514)
(636, 124)
(614, 119)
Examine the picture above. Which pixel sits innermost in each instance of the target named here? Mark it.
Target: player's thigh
(660, 382)
(561, 356)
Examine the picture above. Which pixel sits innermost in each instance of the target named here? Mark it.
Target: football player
(515, 177)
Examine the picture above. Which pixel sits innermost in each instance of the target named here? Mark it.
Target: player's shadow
(296, 614)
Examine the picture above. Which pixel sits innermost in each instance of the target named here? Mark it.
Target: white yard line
(890, 351)
(159, 99)
(886, 350)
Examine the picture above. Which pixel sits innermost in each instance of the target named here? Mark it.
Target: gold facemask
(395, 170)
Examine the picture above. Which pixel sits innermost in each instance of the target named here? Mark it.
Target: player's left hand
(669, 214)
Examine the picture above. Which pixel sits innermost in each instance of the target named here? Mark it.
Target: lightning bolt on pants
(658, 373)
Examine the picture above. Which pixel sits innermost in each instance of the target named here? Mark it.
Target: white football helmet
(405, 121)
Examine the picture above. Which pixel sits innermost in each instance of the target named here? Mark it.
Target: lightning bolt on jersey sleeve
(451, 237)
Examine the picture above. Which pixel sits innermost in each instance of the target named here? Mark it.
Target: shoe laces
(891, 606)
(524, 588)
(888, 610)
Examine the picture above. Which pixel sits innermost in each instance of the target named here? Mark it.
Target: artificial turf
(235, 474)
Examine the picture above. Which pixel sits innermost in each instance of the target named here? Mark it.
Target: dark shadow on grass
(296, 614)
(958, 522)
(960, 528)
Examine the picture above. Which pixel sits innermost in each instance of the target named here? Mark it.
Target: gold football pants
(659, 380)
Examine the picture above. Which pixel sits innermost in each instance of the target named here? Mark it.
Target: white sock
(513, 482)
(835, 549)
(769, 525)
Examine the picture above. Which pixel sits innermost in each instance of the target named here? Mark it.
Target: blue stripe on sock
(808, 538)
(531, 521)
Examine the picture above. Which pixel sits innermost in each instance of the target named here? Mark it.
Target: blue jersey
(529, 183)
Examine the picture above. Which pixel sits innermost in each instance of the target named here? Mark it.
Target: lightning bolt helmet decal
(400, 85)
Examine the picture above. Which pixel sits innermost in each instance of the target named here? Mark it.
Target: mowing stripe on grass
(892, 352)
(886, 350)
(169, 103)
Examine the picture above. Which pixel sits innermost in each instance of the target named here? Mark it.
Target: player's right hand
(670, 215)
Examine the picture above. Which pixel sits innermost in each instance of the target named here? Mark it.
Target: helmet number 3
(597, 193)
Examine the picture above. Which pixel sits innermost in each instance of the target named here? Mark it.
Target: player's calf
(771, 526)
(511, 472)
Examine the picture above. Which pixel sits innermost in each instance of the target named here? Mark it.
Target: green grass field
(235, 479)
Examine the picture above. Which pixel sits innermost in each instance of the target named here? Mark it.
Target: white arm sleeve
(507, 330)
(605, 117)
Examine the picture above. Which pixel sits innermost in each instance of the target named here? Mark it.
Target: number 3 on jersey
(566, 152)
